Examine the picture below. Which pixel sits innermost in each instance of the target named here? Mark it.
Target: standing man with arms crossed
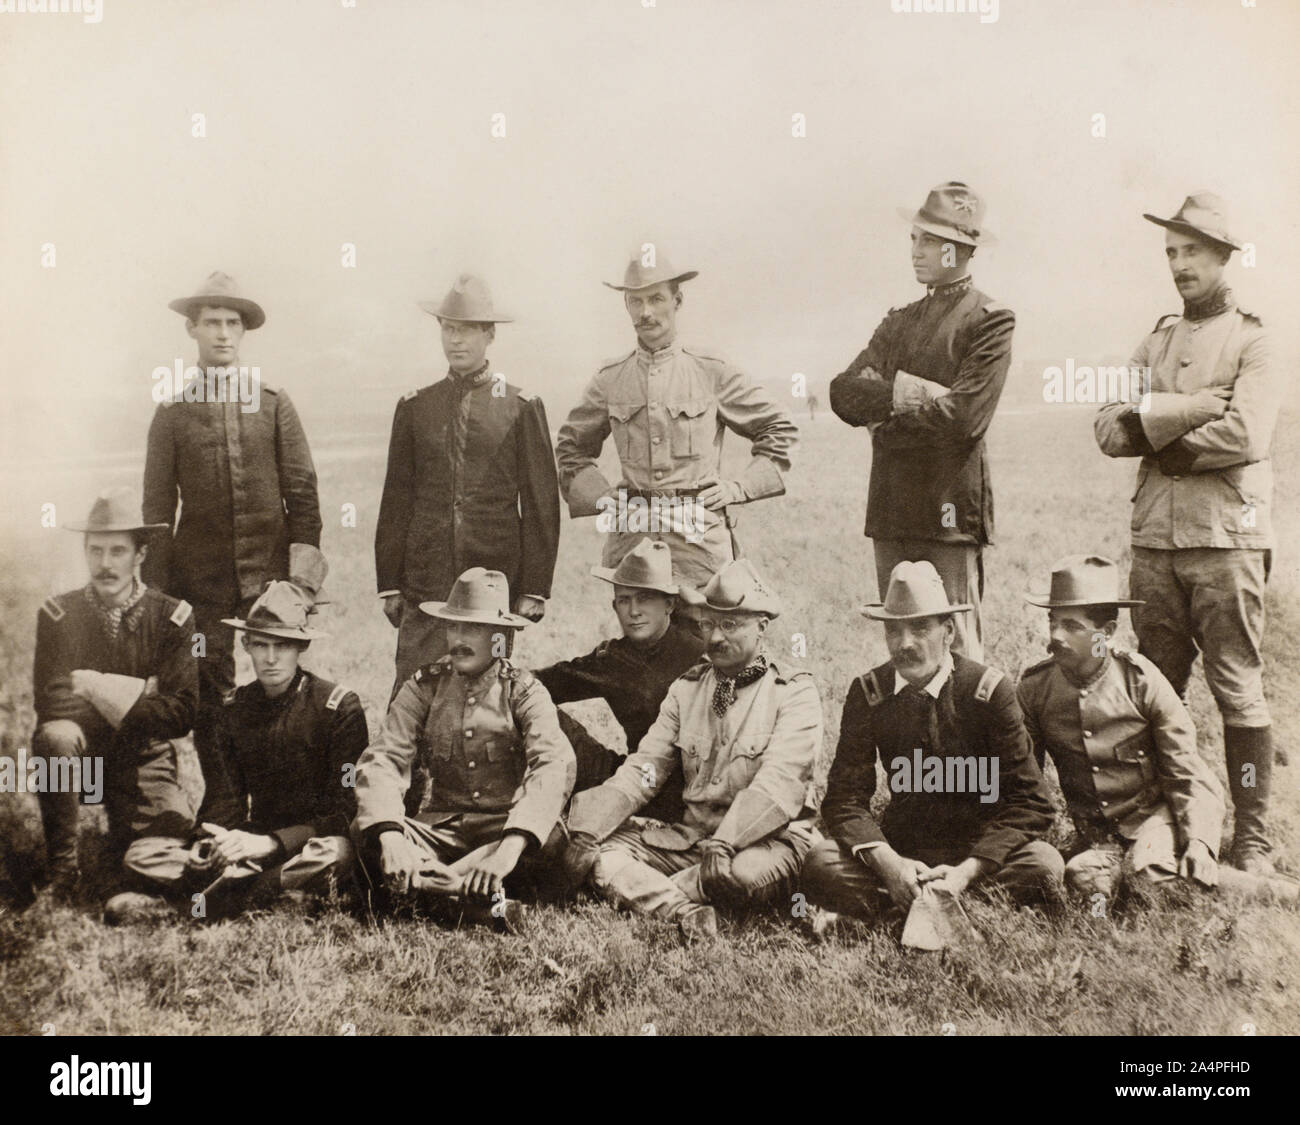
(1202, 531)
(927, 386)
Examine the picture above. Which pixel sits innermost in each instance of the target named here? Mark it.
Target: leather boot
(59, 815)
(1250, 746)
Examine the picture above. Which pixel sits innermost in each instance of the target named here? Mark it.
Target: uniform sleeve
(745, 408)
(777, 793)
(1190, 788)
(584, 677)
(337, 803)
(551, 766)
(647, 770)
(861, 398)
(297, 475)
(169, 712)
(961, 417)
(1023, 811)
(384, 769)
(159, 500)
(578, 446)
(846, 808)
(52, 675)
(539, 502)
(1030, 719)
(396, 503)
(1245, 433)
(225, 792)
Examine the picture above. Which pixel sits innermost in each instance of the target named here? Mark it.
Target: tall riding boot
(59, 815)
(1250, 747)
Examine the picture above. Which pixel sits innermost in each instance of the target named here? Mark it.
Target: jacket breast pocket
(1137, 751)
(692, 425)
(746, 758)
(628, 429)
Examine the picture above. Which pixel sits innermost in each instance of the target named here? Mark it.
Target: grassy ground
(1195, 965)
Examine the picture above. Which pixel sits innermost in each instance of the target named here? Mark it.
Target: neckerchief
(724, 695)
(1221, 300)
(111, 616)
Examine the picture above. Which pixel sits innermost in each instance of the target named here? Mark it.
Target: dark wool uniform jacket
(153, 641)
(929, 468)
(471, 482)
(287, 762)
(632, 679)
(977, 715)
(247, 488)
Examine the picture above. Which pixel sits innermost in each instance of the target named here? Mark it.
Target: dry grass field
(1191, 966)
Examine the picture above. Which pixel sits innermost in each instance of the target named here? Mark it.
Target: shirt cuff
(387, 593)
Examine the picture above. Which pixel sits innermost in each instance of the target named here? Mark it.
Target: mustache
(105, 574)
(461, 650)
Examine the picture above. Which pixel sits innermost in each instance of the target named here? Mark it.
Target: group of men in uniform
(477, 785)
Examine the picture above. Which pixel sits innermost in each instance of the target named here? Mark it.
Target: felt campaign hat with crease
(915, 590)
(954, 211)
(470, 300)
(220, 291)
(115, 509)
(481, 596)
(1082, 580)
(648, 566)
(1202, 213)
(281, 611)
(736, 588)
(640, 276)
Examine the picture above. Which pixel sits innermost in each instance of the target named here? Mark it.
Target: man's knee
(1092, 872)
(772, 869)
(823, 867)
(59, 738)
(320, 858)
(157, 860)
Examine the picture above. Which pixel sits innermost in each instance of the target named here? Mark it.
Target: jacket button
(655, 440)
(1185, 362)
(469, 734)
(471, 766)
(659, 475)
(1095, 769)
(1083, 692)
(1087, 734)
(1103, 804)
(654, 371)
(476, 794)
(470, 699)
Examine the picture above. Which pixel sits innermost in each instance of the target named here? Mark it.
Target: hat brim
(272, 631)
(1044, 601)
(877, 612)
(443, 613)
(117, 527)
(663, 280)
(251, 311)
(1188, 228)
(941, 230)
(433, 310)
(697, 600)
(606, 574)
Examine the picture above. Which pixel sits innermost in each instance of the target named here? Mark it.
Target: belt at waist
(651, 493)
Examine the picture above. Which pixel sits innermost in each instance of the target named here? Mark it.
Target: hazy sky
(372, 125)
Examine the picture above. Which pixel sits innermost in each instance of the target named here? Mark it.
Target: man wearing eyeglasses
(745, 734)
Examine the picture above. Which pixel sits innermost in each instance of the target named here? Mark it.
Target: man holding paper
(926, 386)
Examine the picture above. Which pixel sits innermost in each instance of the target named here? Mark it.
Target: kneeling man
(499, 770)
(744, 734)
(1143, 801)
(968, 803)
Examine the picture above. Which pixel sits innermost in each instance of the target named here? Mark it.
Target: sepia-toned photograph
(650, 518)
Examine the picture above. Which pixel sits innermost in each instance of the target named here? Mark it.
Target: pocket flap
(623, 411)
(692, 408)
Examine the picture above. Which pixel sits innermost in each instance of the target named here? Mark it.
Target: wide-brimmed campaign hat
(1082, 580)
(952, 211)
(638, 275)
(480, 596)
(281, 611)
(115, 509)
(470, 300)
(220, 291)
(1202, 213)
(736, 588)
(915, 590)
(648, 566)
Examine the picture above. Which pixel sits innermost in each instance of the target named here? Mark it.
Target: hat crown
(114, 509)
(218, 284)
(916, 590)
(480, 591)
(1204, 213)
(649, 565)
(469, 299)
(1085, 580)
(641, 274)
(738, 587)
(954, 204)
(218, 290)
(281, 606)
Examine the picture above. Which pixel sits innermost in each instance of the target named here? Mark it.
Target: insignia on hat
(181, 613)
(53, 609)
(963, 203)
(988, 683)
(336, 697)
